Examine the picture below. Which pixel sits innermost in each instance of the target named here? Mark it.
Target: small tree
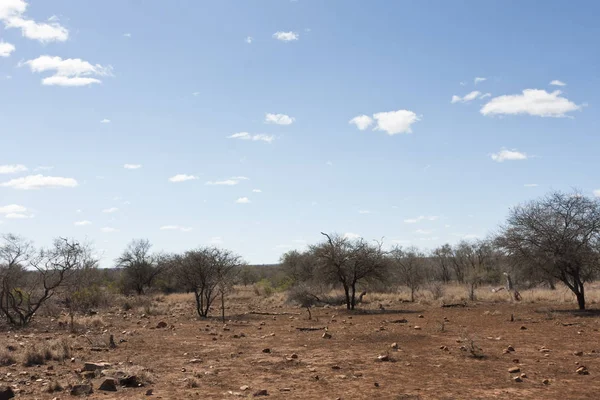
(349, 263)
(209, 272)
(559, 235)
(409, 264)
(140, 267)
(442, 261)
(22, 291)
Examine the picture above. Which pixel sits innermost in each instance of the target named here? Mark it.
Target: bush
(263, 288)
(6, 359)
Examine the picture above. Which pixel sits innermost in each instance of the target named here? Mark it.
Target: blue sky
(254, 125)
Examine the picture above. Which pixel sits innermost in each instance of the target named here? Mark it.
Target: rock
(383, 357)
(294, 356)
(88, 366)
(267, 350)
(417, 327)
(262, 392)
(394, 346)
(326, 335)
(81, 389)
(523, 328)
(342, 376)
(6, 393)
(195, 361)
(578, 353)
(544, 350)
(445, 348)
(244, 388)
(582, 370)
(517, 379)
(130, 381)
(421, 316)
(108, 385)
(546, 381)
(161, 324)
(510, 348)
(523, 375)
(514, 370)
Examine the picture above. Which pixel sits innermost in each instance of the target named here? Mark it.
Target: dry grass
(56, 350)
(7, 359)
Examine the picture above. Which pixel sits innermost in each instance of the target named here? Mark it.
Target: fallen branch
(310, 329)
(271, 313)
(454, 305)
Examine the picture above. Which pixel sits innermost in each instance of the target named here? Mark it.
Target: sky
(256, 125)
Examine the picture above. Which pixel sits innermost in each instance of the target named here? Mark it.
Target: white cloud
(508, 155)
(423, 232)
(534, 102)
(243, 200)
(40, 181)
(216, 240)
(127, 35)
(6, 49)
(421, 218)
(362, 122)
(18, 216)
(68, 72)
(350, 235)
(175, 228)
(286, 36)
(12, 14)
(485, 96)
(182, 178)
(364, 212)
(330, 163)
(110, 210)
(557, 83)
(394, 122)
(531, 185)
(597, 192)
(466, 98)
(78, 211)
(105, 121)
(132, 166)
(249, 39)
(44, 168)
(247, 136)
(82, 223)
(227, 182)
(256, 191)
(479, 80)
(108, 229)
(279, 119)
(12, 169)
(12, 208)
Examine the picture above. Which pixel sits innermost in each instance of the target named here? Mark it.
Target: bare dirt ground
(437, 355)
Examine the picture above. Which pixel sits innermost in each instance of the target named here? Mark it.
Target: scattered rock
(523, 328)
(130, 381)
(445, 348)
(582, 370)
(417, 327)
(523, 375)
(394, 346)
(161, 324)
(294, 356)
(421, 316)
(510, 348)
(6, 393)
(514, 370)
(195, 361)
(517, 379)
(326, 335)
(81, 389)
(267, 350)
(88, 366)
(108, 385)
(149, 392)
(244, 388)
(578, 353)
(546, 381)
(383, 357)
(262, 392)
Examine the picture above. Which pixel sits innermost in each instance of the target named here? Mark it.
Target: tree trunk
(223, 306)
(353, 297)
(347, 293)
(412, 295)
(580, 294)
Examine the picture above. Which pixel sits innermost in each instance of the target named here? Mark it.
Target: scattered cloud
(175, 228)
(69, 72)
(533, 102)
(249, 39)
(350, 235)
(479, 80)
(39, 181)
(108, 229)
(247, 136)
(132, 166)
(365, 212)
(110, 210)
(485, 96)
(216, 240)
(557, 83)
(243, 200)
(12, 169)
(6, 49)
(256, 191)
(12, 209)
(421, 218)
(227, 182)
(394, 122)
(182, 178)
(286, 36)
(466, 98)
(44, 168)
(508, 155)
(18, 216)
(195, 94)
(82, 223)
(362, 122)
(127, 35)
(279, 119)
(423, 232)
(531, 185)
(597, 192)
(330, 163)
(12, 14)
(78, 211)
(105, 121)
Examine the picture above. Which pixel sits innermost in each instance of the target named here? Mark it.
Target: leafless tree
(559, 235)
(349, 263)
(210, 272)
(442, 261)
(28, 279)
(140, 267)
(409, 266)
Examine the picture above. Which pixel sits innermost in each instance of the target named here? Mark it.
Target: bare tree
(22, 291)
(442, 259)
(350, 262)
(409, 264)
(140, 267)
(559, 235)
(210, 273)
